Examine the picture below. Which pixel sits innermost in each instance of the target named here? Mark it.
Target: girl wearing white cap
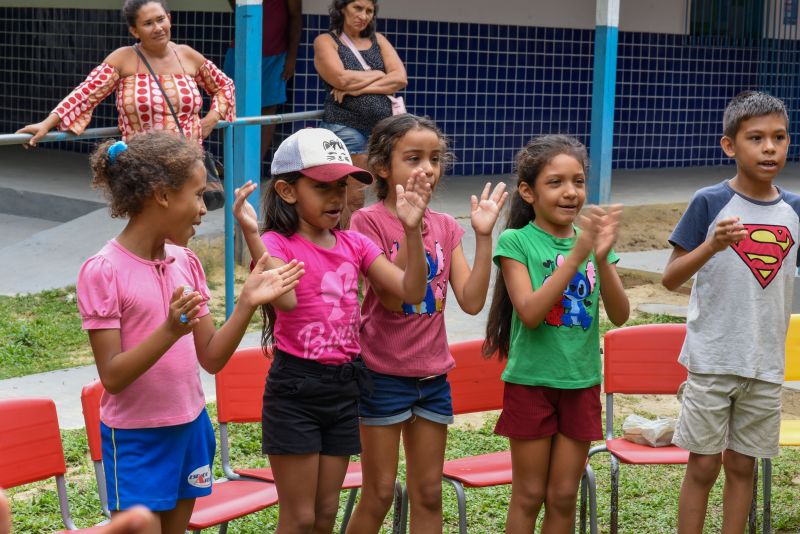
(310, 415)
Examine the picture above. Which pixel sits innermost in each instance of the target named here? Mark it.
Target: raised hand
(727, 232)
(412, 201)
(265, 285)
(486, 209)
(243, 210)
(608, 232)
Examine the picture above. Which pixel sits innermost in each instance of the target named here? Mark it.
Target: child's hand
(183, 310)
(485, 212)
(243, 210)
(727, 232)
(608, 232)
(265, 285)
(590, 225)
(412, 201)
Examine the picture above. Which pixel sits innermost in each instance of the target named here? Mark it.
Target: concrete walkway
(53, 221)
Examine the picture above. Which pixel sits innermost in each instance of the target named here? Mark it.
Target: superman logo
(764, 249)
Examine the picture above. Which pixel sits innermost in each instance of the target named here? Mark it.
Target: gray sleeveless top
(361, 112)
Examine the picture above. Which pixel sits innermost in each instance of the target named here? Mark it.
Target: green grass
(41, 332)
(648, 495)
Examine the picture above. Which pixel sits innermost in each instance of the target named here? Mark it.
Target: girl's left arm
(471, 286)
(215, 347)
(614, 298)
(613, 294)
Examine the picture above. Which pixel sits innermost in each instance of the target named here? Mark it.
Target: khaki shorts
(721, 412)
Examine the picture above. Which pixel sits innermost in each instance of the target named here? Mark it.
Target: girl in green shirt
(544, 319)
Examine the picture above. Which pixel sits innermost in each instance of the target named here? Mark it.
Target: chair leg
(752, 517)
(582, 505)
(398, 525)
(223, 528)
(461, 498)
(592, 487)
(614, 495)
(767, 474)
(348, 510)
(404, 510)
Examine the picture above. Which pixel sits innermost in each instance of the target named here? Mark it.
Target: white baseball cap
(319, 154)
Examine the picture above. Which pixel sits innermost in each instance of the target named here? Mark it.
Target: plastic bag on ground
(653, 433)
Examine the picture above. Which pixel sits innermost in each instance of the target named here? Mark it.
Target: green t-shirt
(564, 350)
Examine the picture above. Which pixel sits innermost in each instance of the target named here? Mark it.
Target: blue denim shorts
(354, 139)
(395, 399)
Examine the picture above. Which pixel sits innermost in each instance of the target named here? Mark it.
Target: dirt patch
(648, 227)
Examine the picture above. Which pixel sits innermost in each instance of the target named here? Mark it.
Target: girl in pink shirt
(405, 345)
(310, 413)
(143, 299)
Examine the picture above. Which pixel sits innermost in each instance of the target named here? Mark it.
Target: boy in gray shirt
(740, 238)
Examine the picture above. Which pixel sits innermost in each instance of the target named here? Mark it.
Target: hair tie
(116, 149)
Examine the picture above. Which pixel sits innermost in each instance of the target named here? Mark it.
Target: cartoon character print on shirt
(339, 289)
(572, 308)
(764, 249)
(434, 294)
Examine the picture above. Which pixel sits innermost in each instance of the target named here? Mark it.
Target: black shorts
(311, 407)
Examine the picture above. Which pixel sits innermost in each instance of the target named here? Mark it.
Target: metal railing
(231, 182)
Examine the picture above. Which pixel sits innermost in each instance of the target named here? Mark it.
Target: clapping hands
(599, 231)
(413, 199)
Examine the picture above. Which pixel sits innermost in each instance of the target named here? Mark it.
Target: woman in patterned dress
(140, 103)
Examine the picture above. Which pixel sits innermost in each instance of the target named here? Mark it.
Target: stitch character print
(435, 294)
(572, 308)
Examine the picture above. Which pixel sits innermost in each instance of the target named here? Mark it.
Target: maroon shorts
(535, 412)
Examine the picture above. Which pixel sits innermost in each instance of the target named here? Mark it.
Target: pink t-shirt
(119, 290)
(324, 324)
(411, 341)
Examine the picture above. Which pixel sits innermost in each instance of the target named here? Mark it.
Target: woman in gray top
(357, 99)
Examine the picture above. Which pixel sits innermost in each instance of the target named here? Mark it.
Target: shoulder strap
(158, 82)
(346, 40)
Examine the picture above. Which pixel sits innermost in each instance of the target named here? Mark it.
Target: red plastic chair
(31, 449)
(229, 499)
(640, 360)
(240, 390)
(477, 386)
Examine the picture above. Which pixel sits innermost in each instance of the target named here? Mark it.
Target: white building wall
(659, 16)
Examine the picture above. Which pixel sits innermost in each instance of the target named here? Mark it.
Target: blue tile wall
(489, 87)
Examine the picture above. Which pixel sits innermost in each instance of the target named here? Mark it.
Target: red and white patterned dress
(140, 103)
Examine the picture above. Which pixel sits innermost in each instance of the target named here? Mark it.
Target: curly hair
(337, 17)
(385, 136)
(130, 9)
(529, 163)
(151, 161)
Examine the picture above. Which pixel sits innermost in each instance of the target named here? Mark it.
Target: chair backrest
(90, 402)
(644, 359)
(793, 349)
(30, 447)
(240, 386)
(475, 381)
